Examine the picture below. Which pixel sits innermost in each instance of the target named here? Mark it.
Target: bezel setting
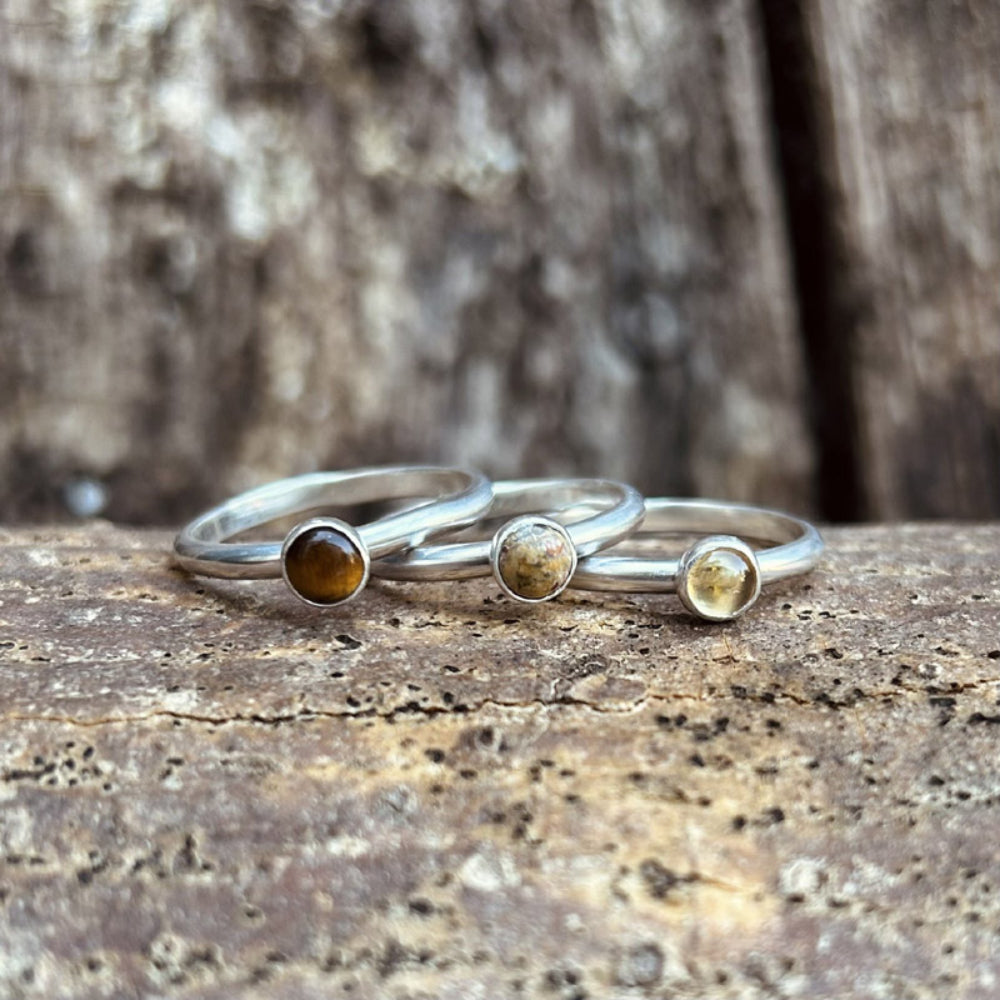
(350, 533)
(522, 524)
(689, 566)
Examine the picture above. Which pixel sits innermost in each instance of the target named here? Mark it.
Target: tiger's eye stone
(535, 561)
(324, 566)
(721, 583)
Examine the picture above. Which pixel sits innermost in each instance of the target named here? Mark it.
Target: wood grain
(246, 241)
(909, 104)
(735, 249)
(208, 790)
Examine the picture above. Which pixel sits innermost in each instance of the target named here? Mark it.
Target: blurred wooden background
(743, 248)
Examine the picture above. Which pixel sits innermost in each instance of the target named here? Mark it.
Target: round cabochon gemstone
(721, 583)
(324, 565)
(535, 560)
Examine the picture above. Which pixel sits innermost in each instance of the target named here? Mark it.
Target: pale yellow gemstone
(721, 583)
(535, 561)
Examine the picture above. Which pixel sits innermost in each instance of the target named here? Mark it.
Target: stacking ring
(324, 560)
(533, 556)
(720, 576)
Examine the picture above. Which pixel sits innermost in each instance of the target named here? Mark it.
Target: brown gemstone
(534, 561)
(324, 566)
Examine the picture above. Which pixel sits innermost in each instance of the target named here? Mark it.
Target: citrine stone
(534, 560)
(721, 583)
(324, 565)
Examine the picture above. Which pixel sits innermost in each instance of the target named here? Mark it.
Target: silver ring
(533, 557)
(324, 560)
(719, 577)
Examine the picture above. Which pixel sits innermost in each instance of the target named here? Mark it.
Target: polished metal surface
(556, 530)
(791, 546)
(608, 511)
(456, 497)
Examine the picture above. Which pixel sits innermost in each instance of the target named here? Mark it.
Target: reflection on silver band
(720, 576)
(533, 557)
(551, 535)
(456, 497)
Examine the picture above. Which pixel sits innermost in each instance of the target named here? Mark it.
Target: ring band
(533, 556)
(324, 560)
(720, 576)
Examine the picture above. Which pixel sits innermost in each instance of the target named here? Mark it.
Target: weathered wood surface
(247, 240)
(736, 249)
(908, 97)
(208, 790)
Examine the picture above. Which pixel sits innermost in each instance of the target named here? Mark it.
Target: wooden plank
(250, 241)
(910, 96)
(208, 790)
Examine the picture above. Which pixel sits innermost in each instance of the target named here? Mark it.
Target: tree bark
(208, 790)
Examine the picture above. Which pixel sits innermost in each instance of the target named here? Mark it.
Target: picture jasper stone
(324, 565)
(535, 560)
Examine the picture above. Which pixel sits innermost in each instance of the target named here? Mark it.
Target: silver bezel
(515, 524)
(350, 532)
(715, 543)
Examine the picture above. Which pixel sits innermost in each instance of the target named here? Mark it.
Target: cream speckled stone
(533, 558)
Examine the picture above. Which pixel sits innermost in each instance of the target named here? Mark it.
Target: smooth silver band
(607, 511)
(458, 497)
(792, 546)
